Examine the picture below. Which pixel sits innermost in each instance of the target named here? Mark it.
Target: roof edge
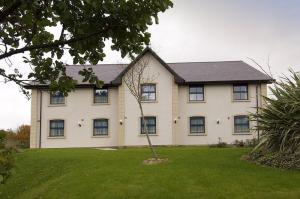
(118, 79)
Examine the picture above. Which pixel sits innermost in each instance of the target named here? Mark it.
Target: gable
(118, 79)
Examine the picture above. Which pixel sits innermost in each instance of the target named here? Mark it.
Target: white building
(193, 103)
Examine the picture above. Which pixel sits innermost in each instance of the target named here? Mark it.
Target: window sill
(197, 134)
(153, 101)
(241, 100)
(56, 105)
(61, 137)
(143, 135)
(193, 102)
(99, 104)
(100, 136)
(247, 133)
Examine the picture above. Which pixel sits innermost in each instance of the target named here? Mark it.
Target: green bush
(6, 164)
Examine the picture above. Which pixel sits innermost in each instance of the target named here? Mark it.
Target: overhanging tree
(81, 29)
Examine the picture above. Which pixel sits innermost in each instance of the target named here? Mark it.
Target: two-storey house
(190, 103)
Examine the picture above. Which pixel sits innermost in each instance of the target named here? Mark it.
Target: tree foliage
(81, 29)
(279, 120)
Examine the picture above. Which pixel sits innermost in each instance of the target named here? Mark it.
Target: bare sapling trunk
(134, 78)
(147, 133)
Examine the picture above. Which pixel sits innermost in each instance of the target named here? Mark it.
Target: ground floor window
(241, 124)
(100, 127)
(197, 125)
(57, 128)
(150, 125)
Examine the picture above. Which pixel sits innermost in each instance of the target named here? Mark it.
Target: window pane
(237, 88)
(100, 127)
(199, 97)
(100, 96)
(150, 124)
(237, 96)
(196, 93)
(197, 125)
(57, 98)
(151, 129)
(243, 88)
(56, 128)
(151, 96)
(193, 97)
(241, 124)
(148, 92)
(244, 96)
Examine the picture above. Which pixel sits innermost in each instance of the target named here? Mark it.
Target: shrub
(11, 140)
(23, 136)
(278, 160)
(239, 143)
(6, 164)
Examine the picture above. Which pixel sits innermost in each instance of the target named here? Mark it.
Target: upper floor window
(101, 95)
(148, 92)
(150, 125)
(57, 128)
(57, 98)
(241, 124)
(196, 93)
(100, 127)
(240, 92)
(197, 125)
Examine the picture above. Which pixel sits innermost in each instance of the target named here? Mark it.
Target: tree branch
(47, 45)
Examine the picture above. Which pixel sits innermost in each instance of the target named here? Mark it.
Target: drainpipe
(41, 101)
(257, 109)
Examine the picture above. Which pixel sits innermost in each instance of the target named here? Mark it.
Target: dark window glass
(101, 96)
(57, 98)
(100, 127)
(196, 93)
(57, 128)
(150, 124)
(148, 92)
(241, 124)
(197, 125)
(240, 92)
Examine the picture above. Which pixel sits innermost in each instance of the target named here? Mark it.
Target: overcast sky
(204, 30)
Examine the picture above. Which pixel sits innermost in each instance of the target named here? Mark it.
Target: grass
(193, 172)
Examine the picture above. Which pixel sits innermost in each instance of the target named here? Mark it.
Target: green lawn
(193, 172)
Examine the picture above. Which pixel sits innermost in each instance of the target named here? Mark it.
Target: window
(150, 124)
(57, 98)
(57, 128)
(101, 96)
(241, 124)
(148, 92)
(197, 125)
(196, 93)
(100, 127)
(240, 92)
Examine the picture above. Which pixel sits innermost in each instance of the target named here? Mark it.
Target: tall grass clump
(279, 122)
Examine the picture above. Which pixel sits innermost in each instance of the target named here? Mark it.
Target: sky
(267, 31)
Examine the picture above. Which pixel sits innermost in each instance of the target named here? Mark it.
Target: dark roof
(105, 72)
(222, 71)
(184, 72)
